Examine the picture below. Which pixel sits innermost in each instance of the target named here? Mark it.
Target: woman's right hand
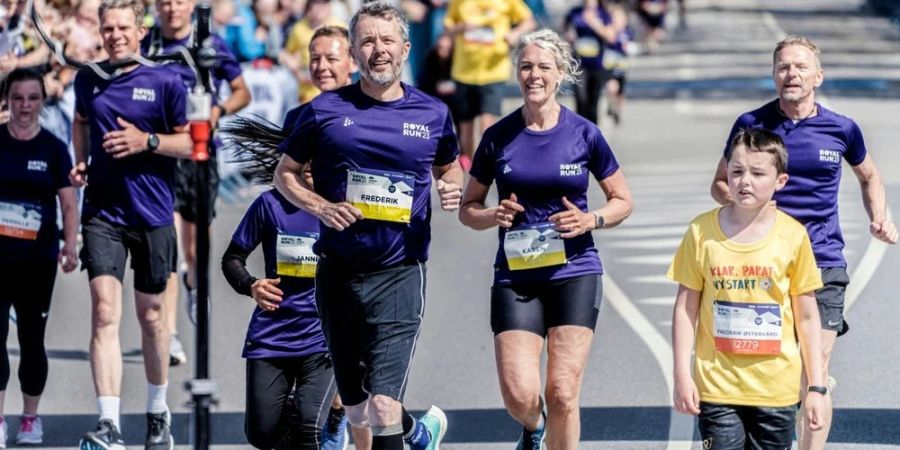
(506, 212)
(266, 294)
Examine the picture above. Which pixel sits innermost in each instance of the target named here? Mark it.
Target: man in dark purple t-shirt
(132, 127)
(817, 140)
(176, 30)
(374, 147)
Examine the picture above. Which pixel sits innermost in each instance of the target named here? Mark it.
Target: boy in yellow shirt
(747, 277)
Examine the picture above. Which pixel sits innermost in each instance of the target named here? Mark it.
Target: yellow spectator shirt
(747, 351)
(481, 55)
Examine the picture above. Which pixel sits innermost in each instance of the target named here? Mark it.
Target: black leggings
(28, 287)
(269, 384)
(588, 92)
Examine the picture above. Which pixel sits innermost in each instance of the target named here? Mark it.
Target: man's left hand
(884, 231)
(451, 195)
(125, 142)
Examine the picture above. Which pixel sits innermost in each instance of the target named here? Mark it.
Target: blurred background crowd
(460, 49)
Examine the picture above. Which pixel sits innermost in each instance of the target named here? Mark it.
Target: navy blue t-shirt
(352, 139)
(541, 167)
(815, 147)
(286, 234)
(31, 174)
(137, 190)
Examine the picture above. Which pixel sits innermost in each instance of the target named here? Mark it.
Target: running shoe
(159, 433)
(3, 432)
(31, 430)
(191, 300)
(336, 433)
(177, 356)
(105, 437)
(436, 423)
(533, 440)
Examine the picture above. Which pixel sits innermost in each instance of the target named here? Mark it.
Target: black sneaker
(105, 437)
(159, 433)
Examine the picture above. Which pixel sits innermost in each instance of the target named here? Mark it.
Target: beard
(791, 97)
(381, 78)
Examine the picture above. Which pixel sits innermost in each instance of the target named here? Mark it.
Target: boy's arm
(684, 321)
(809, 332)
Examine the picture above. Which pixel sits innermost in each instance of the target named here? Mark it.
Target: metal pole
(202, 388)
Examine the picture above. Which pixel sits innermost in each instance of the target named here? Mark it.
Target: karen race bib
(294, 255)
(533, 246)
(20, 220)
(747, 328)
(381, 195)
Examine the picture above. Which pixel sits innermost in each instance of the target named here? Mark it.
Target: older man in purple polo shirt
(817, 140)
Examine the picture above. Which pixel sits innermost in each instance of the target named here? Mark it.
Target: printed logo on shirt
(37, 166)
(507, 169)
(348, 121)
(416, 130)
(569, 170)
(830, 156)
(96, 89)
(143, 94)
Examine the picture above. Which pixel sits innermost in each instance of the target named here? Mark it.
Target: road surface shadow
(863, 426)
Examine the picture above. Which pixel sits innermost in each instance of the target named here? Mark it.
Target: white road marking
(681, 427)
(648, 244)
(658, 301)
(865, 269)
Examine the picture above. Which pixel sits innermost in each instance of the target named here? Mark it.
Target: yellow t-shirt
(298, 44)
(481, 55)
(746, 347)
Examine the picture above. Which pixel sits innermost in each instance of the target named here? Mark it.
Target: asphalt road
(684, 100)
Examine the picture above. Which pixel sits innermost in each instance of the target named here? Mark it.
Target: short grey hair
(802, 41)
(560, 49)
(136, 6)
(383, 10)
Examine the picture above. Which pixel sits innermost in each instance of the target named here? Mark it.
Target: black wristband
(820, 389)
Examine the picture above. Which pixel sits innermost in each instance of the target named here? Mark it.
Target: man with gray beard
(374, 147)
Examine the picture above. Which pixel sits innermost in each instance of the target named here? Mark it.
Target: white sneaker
(177, 356)
(31, 430)
(3, 432)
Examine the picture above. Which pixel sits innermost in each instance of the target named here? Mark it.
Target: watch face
(153, 141)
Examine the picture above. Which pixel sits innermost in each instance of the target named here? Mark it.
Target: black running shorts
(371, 320)
(107, 245)
(537, 307)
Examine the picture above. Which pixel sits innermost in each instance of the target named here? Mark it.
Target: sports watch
(152, 142)
(598, 220)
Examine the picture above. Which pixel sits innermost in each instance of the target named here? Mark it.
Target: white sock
(156, 398)
(109, 409)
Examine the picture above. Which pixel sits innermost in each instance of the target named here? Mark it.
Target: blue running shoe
(533, 440)
(435, 421)
(335, 433)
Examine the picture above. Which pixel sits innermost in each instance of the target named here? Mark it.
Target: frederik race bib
(533, 246)
(747, 328)
(381, 195)
(294, 255)
(20, 220)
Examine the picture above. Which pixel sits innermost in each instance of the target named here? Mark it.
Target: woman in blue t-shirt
(34, 173)
(284, 345)
(547, 272)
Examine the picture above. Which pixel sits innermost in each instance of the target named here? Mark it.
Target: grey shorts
(371, 321)
(830, 299)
